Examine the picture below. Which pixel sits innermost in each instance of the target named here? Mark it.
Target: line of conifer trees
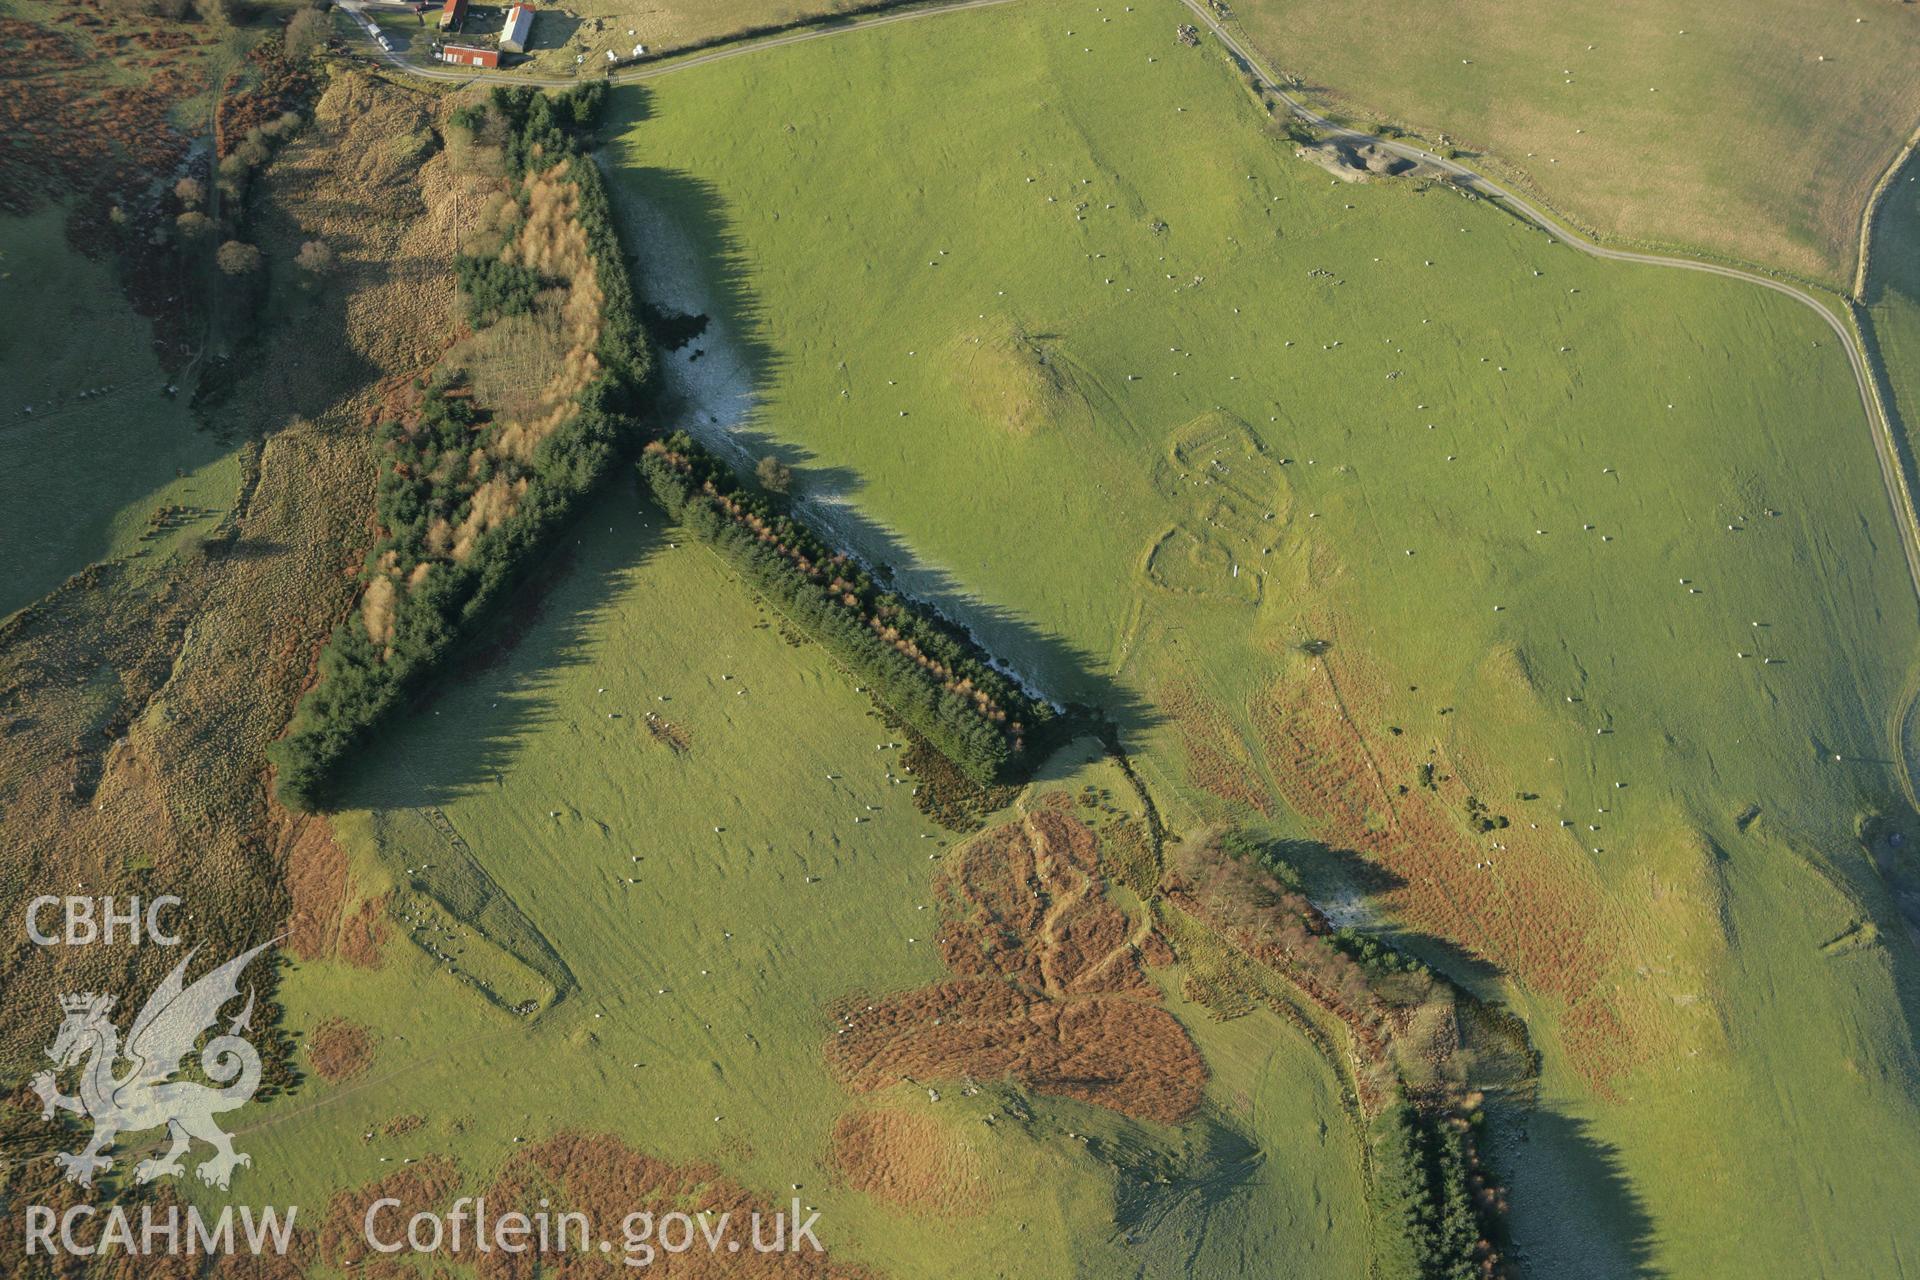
(1424, 1224)
(361, 680)
(927, 669)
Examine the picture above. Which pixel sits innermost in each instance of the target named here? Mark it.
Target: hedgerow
(926, 669)
(364, 676)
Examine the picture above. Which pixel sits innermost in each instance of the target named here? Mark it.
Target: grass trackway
(1905, 516)
(692, 146)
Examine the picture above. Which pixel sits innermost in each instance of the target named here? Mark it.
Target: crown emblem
(169, 1028)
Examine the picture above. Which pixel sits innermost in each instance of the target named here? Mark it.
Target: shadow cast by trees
(446, 743)
(549, 623)
(669, 209)
(1586, 1196)
(1331, 872)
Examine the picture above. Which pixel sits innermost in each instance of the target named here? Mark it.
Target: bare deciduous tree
(774, 475)
(314, 258)
(238, 258)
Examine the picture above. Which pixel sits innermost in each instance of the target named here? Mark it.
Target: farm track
(669, 63)
(1900, 500)
(1879, 426)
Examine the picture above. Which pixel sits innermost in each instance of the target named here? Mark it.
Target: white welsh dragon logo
(144, 1096)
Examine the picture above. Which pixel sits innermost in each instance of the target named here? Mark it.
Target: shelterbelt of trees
(467, 502)
(927, 669)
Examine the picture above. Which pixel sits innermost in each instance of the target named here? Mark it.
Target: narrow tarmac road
(1879, 428)
(1905, 518)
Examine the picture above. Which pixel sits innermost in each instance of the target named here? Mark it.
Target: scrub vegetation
(470, 497)
(1380, 525)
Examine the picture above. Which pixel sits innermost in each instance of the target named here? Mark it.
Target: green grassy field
(1890, 323)
(1149, 402)
(1754, 133)
(699, 976)
(101, 450)
(1893, 294)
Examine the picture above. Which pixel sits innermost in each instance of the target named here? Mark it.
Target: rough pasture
(1465, 442)
(1049, 987)
(1522, 897)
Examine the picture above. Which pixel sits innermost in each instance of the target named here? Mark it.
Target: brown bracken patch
(1527, 907)
(1024, 901)
(83, 110)
(1048, 986)
(364, 933)
(320, 925)
(427, 1186)
(1154, 951)
(401, 1125)
(340, 1050)
(1217, 760)
(908, 1160)
(1123, 1054)
(316, 873)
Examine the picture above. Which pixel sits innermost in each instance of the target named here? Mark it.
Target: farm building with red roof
(461, 55)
